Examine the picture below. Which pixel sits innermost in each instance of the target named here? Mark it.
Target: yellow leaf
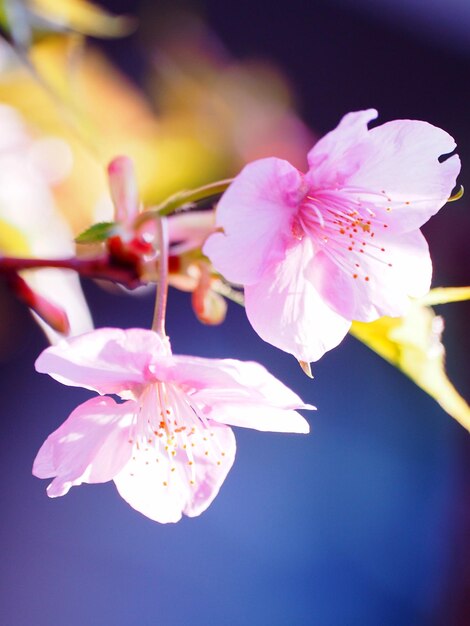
(81, 16)
(443, 295)
(413, 344)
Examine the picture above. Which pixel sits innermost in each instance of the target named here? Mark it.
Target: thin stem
(171, 204)
(158, 324)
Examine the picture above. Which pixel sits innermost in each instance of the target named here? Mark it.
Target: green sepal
(98, 232)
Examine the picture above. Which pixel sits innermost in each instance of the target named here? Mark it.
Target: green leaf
(96, 233)
(3, 16)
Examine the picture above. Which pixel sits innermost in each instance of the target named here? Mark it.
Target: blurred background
(364, 522)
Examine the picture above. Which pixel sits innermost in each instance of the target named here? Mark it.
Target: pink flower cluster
(313, 252)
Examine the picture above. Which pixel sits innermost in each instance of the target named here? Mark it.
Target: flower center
(169, 428)
(343, 226)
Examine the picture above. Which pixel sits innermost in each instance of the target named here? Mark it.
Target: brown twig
(103, 267)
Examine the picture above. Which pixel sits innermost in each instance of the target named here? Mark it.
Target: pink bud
(53, 315)
(209, 306)
(123, 187)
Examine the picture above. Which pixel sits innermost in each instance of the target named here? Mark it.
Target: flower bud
(209, 306)
(123, 188)
(50, 313)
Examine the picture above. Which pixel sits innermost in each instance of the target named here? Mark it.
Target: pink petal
(189, 230)
(255, 215)
(108, 360)
(286, 310)
(243, 379)
(402, 161)
(398, 266)
(259, 416)
(150, 486)
(197, 372)
(331, 159)
(237, 393)
(253, 382)
(90, 446)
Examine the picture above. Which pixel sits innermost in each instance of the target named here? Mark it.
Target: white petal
(163, 487)
(90, 446)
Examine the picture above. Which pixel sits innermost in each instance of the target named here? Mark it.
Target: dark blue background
(362, 523)
(354, 524)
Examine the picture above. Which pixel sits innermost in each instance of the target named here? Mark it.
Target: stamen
(169, 426)
(330, 215)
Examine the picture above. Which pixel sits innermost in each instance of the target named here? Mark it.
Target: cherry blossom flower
(339, 243)
(167, 444)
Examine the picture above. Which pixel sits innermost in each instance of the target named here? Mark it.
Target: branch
(103, 267)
